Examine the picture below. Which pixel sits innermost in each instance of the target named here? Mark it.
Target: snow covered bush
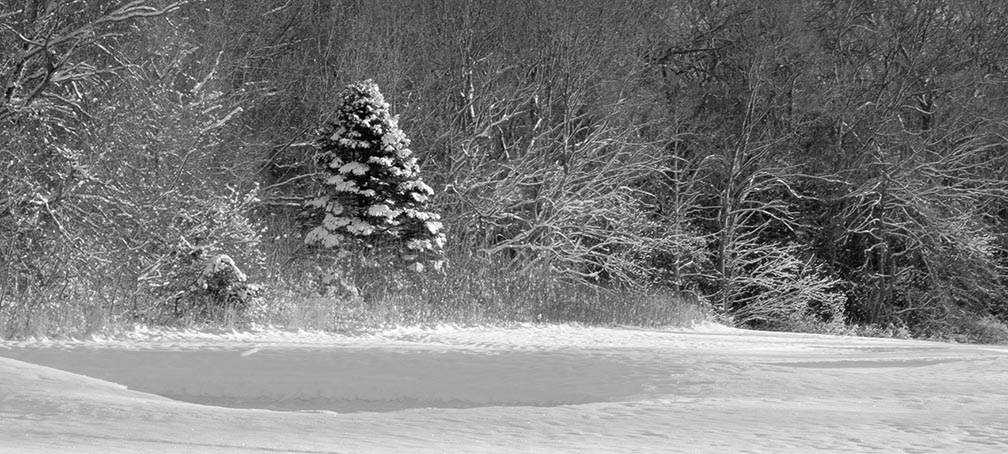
(372, 195)
(192, 234)
(224, 282)
(222, 287)
(198, 283)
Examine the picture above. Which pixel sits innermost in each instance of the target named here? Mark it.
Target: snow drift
(527, 389)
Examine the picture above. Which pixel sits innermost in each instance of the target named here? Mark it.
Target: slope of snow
(524, 389)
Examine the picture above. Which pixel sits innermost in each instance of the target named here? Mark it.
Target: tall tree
(372, 194)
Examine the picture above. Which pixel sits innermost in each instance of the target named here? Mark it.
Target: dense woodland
(788, 164)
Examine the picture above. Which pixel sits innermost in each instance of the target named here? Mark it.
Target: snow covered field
(526, 389)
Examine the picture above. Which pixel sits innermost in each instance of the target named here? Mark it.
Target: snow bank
(524, 389)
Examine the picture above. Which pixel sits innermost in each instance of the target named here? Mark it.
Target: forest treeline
(791, 164)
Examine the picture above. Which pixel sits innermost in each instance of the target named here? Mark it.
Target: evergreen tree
(372, 195)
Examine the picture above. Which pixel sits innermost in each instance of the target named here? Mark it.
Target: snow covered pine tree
(372, 195)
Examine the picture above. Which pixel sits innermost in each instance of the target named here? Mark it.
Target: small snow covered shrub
(193, 268)
(222, 289)
(372, 195)
(200, 284)
(225, 284)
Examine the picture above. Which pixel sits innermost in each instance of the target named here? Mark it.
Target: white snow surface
(486, 390)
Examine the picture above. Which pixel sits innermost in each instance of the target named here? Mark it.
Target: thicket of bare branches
(790, 163)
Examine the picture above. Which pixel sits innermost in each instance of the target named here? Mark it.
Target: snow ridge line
(519, 337)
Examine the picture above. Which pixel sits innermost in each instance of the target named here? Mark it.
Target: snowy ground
(528, 389)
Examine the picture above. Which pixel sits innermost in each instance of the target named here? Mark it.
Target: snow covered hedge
(372, 194)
